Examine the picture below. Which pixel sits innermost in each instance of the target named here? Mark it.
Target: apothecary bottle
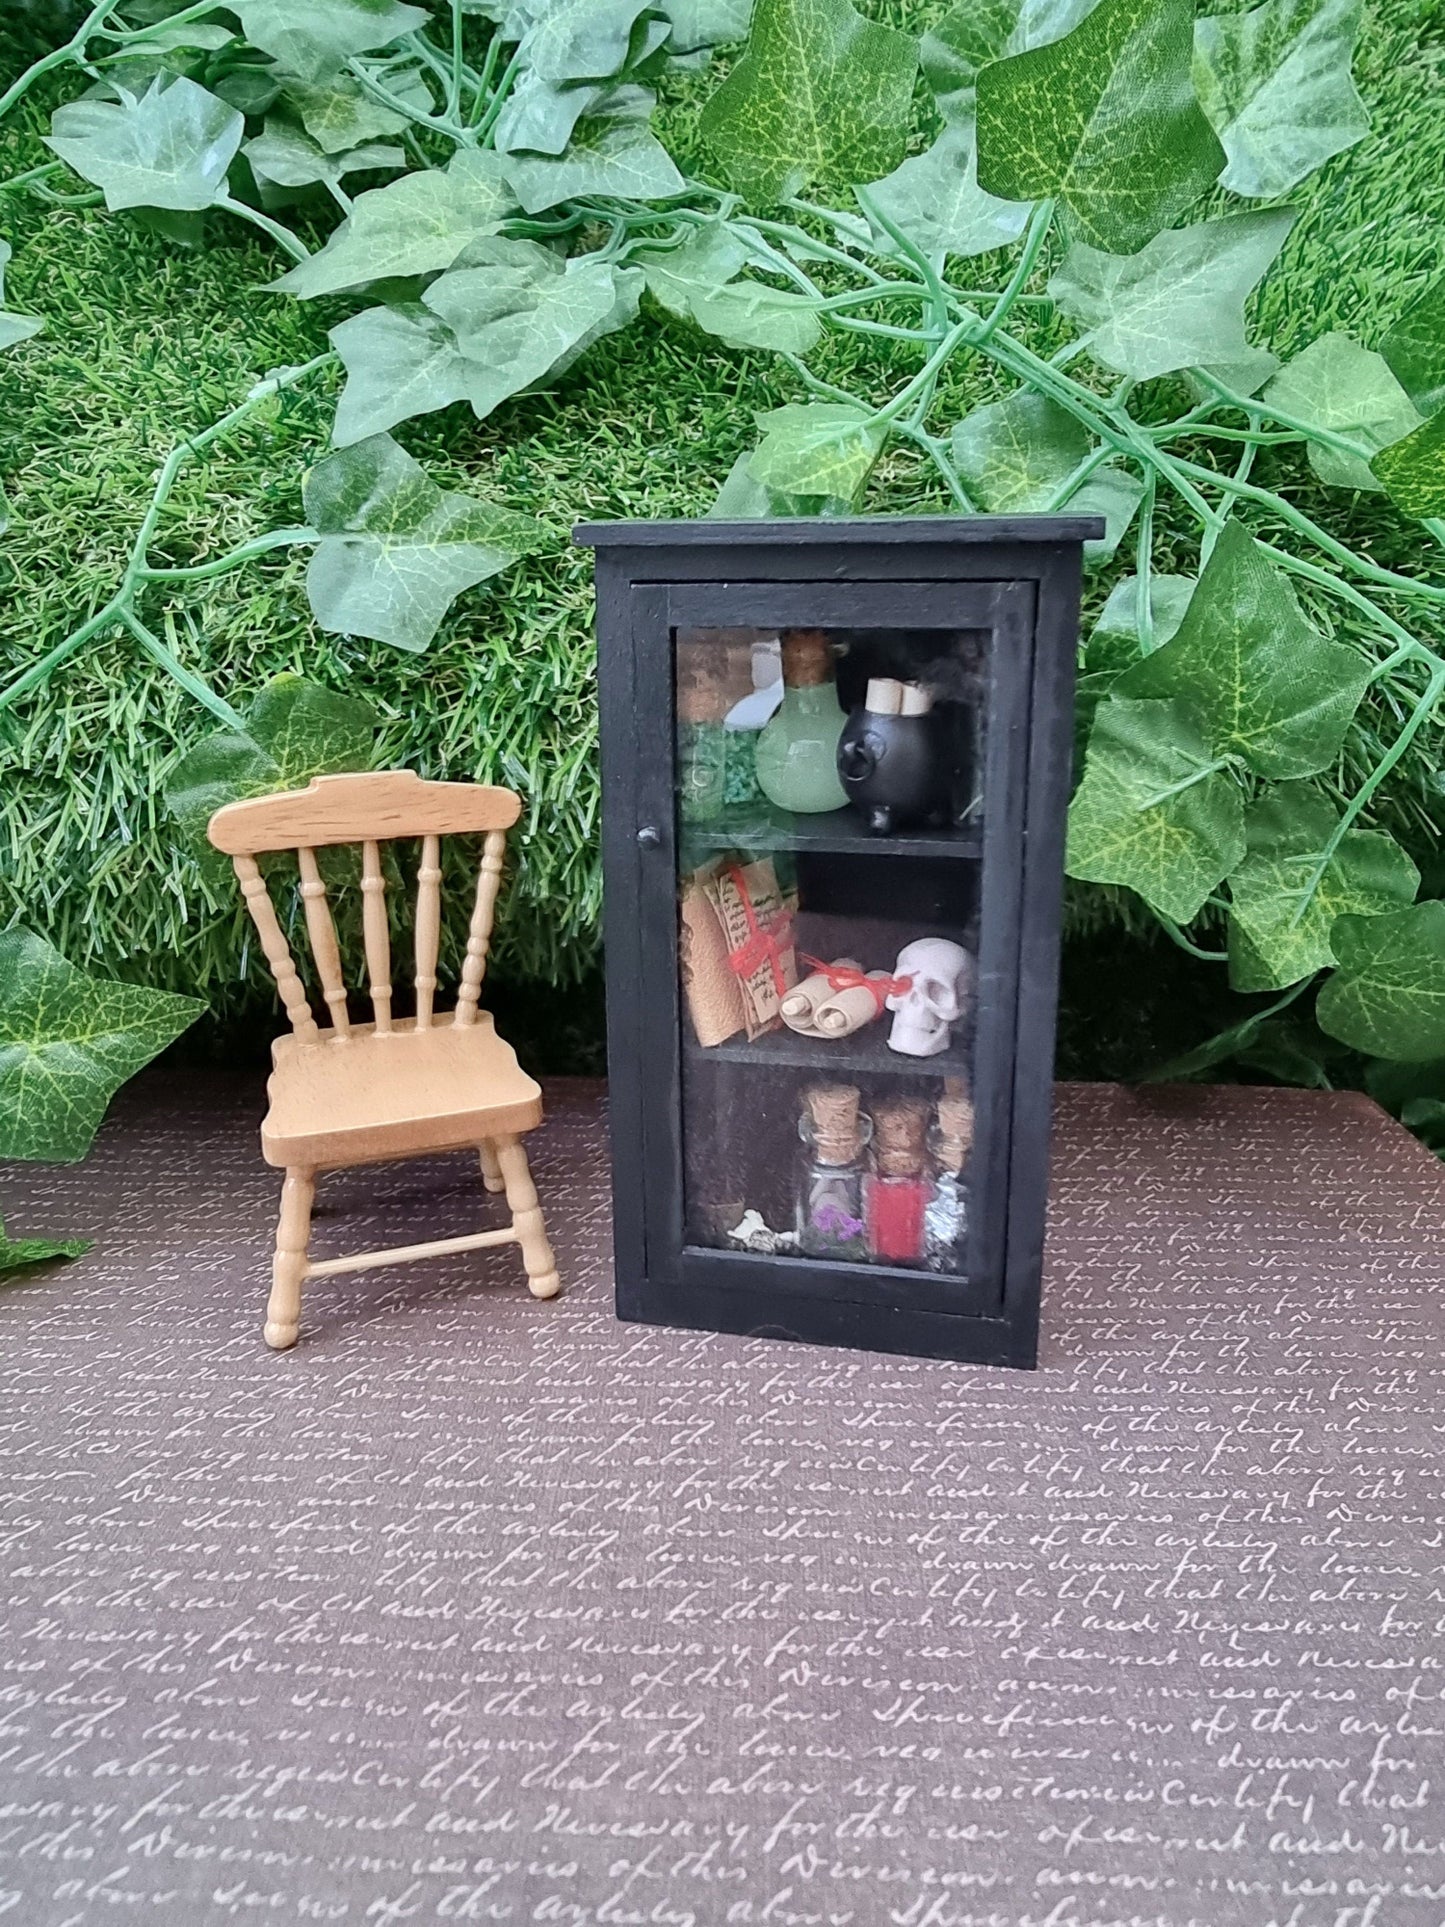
(797, 753)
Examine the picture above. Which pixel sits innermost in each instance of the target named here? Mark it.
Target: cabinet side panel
(1010, 687)
(1050, 781)
(621, 919)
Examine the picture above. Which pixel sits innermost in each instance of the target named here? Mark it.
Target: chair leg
(527, 1219)
(288, 1268)
(491, 1170)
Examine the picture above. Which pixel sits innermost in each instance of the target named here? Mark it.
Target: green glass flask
(797, 753)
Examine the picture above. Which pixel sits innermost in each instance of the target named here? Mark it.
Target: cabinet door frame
(642, 940)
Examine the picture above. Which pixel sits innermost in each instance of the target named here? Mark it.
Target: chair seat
(407, 1091)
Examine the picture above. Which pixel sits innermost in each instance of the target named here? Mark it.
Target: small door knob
(649, 836)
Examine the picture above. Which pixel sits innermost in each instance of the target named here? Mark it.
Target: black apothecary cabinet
(836, 761)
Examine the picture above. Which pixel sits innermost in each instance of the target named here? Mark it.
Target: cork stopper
(900, 1137)
(807, 658)
(954, 1131)
(830, 1116)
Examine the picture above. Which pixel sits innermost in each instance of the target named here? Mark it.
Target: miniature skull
(934, 1000)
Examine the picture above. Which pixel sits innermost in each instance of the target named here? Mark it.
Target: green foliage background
(146, 341)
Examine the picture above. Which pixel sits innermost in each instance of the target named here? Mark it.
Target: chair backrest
(369, 809)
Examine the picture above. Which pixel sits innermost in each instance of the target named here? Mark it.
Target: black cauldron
(897, 769)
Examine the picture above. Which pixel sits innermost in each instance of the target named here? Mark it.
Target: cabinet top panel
(841, 531)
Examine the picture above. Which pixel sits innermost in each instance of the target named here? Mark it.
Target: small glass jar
(897, 1190)
(830, 1194)
(945, 1217)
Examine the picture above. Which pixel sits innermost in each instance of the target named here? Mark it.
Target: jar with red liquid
(897, 1190)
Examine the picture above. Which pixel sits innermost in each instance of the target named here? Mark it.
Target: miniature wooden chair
(351, 1093)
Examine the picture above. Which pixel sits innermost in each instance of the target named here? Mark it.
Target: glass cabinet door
(830, 834)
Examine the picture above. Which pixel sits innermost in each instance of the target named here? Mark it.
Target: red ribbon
(766, 941)
(845, 977)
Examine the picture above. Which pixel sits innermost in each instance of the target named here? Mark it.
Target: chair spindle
(378, 941)
(428, 928)
(324, 947)
(273, 943)
(479, 932)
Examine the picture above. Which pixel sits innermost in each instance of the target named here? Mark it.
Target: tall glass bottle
(797, 753)
(701, 743)
(830, 1197)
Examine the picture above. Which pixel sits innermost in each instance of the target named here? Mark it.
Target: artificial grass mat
(145, 342)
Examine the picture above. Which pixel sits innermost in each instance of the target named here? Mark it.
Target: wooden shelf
(866, 1052)
(842, 831)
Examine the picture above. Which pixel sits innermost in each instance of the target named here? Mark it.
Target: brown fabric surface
(479, 1609)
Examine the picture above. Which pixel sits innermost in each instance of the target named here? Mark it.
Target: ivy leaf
(618, 158)
(1117, 640)
(1259, 681)
(539, 118)
(817, 448)
(1275, 83)
(742, 498)
(411, 226)
(936, 200)
(14, 327)
(980, 31)
(1178, 302)
(168, 148)
(295, 730)
(396, 549)
(693, 280)
(1245, 376)
(965, 41)
(1338, 385)
(1388, 995)
(1114, 493)
(702, 264)
(313, 38)
(165, 37)
(750, 315)
(820, 94)
(1262, 1041)
(15, 1253)
(1425, 1117)
(526, 319)
(1415, 1093)
(1020, 456)
(1273, 942)
(582, 39)
(516, 325)
(1415, 348)
(1115, 643)
(1105, 119)
(707, 23)
(400, 361)
(67, 1043)
(1015, 455)
(1132, 823)
(252, 88)
(1413, 471)
(340, 114)
(284, 154)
